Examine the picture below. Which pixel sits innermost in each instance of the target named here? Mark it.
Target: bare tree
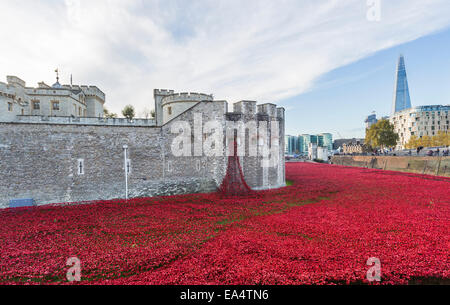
(147, 113)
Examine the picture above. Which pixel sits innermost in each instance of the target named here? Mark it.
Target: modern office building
(320, 140)
(414, 121)
(420, 121)
(312, 151)
(291, 145)
(322, 153)
(308, 139)
(371, 120)
(325, 140)
(402, 99)
(286, 145)
(316, 152)
(300, 144)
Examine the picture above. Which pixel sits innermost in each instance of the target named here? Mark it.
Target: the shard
(402, 100)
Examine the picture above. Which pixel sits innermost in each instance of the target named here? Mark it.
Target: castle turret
(159, 94)
(245, 107)
(95, 100)
(14, 80)
(169, 105)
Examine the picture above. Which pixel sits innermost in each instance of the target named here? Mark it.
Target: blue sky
(345, 96)
(323, 60)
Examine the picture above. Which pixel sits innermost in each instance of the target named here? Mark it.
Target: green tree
(381, 135)
(109, 115)
(128, 112)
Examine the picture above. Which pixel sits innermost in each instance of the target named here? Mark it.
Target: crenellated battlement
(261, 112)
(6, 89)
(268, 109)
(63, 91)
(15, 80)
(93, 91)
(14, 93)
(245, 107)
(14, 84)
(163, 92)
(281, 113)
(187, 97)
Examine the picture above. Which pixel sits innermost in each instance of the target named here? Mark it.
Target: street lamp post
(125, 148)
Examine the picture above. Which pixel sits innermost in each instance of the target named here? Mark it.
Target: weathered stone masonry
(40, 161)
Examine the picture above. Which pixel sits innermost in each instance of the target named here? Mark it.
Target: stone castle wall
(439, 166)
(40, 161)
(67, 120)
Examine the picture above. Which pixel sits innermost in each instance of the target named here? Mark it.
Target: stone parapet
(30, 119)
(439, 166)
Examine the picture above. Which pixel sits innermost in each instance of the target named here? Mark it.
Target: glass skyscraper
(326, 140)
(307, 138)
(300, 144)
(402, 99)
(291, 145)
(286, 145)
(320, 140)
(371, 120)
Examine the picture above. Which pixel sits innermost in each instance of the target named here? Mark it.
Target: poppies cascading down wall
(234, 182)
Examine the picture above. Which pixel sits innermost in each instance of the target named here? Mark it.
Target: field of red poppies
(320, 230)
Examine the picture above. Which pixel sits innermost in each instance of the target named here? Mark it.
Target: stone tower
(159, 94)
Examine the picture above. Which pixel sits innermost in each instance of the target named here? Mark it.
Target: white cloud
(257, 49)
